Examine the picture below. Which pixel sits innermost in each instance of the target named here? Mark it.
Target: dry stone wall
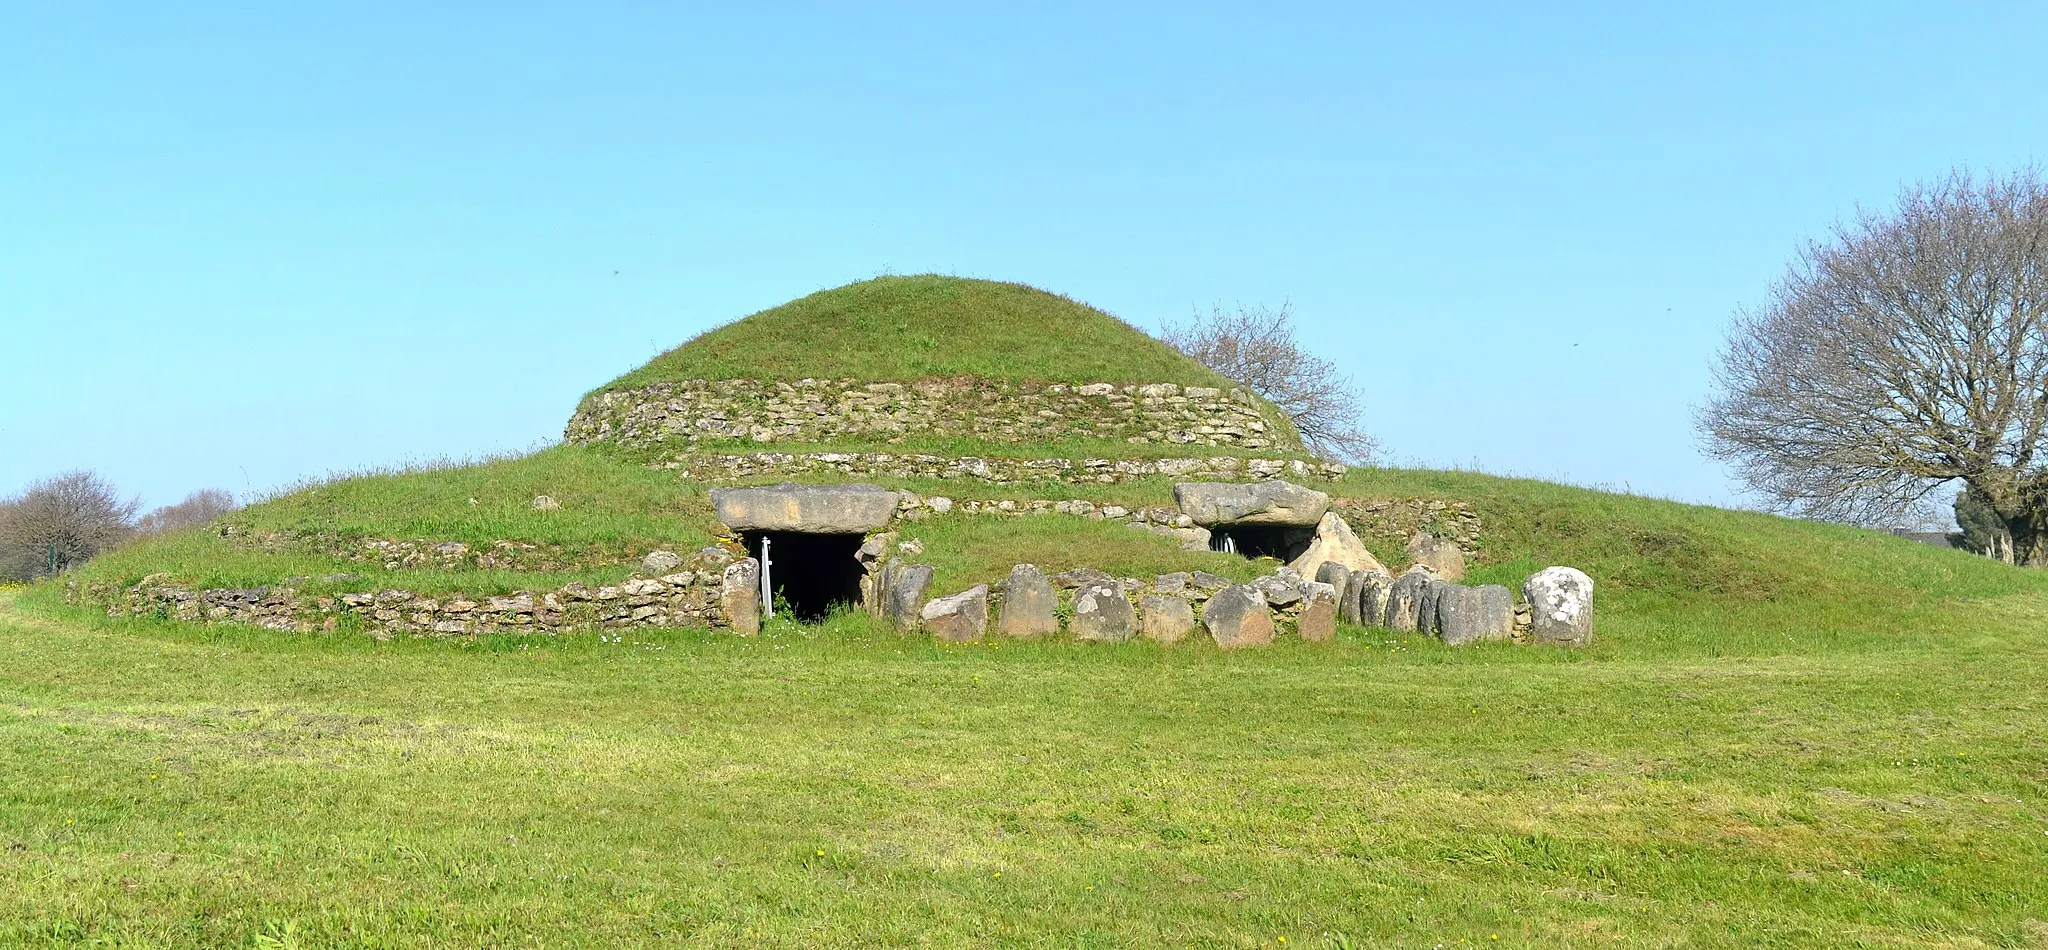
(998, 471)
(690, 597)
(823, 411)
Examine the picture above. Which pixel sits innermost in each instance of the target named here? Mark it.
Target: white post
(767, 586)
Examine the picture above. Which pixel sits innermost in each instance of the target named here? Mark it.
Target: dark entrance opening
(1280, 542)
(811, 572)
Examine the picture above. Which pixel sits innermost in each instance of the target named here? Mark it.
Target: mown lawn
(163, 785)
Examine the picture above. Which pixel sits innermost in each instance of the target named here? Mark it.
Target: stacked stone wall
(825, 411)
(998, 471)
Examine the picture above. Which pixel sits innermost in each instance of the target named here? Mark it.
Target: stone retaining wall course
(704, 467)
(824, 411)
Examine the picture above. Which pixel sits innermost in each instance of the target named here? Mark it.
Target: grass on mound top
(923, 327)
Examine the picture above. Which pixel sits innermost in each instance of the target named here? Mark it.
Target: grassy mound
(922, 327)
(1788, 734)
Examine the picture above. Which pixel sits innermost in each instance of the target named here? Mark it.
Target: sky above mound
(240, 246)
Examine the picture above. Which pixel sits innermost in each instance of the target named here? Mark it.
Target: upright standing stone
(1404, 600)
(1102, 614)
(1167, 618)
(905, 604)
(1471, 614)
(1029, 605)
(1339, 578)
(1425, 604)
(1318, 620)
(1237, 617)
(739, 596)
(960, 618)
(1369, 590)
(1561, 601)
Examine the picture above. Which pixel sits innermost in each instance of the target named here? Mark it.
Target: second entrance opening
(812, 573)
(1280, 542)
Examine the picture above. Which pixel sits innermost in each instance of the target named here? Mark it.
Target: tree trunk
(2029, 533)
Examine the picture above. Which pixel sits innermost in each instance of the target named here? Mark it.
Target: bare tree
(198, 508)
(1908, 350)
(59, 522)
(1256, 347)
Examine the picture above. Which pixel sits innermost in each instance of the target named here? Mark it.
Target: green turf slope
(1787, 735)
(922, 327)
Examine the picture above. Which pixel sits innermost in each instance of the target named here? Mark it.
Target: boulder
(1335, 543)
(1081, 577)
(1191, 539)
(1561, 604)
(545, 503)
(1168, 618)
(813, 509)
(1425, 604)
(957, 618)
(1029, 605)
(1279, 591)
(1441, 556)
(1237, 617)
(739, 596)
(1318, 620)
(1204, 580)
(1404, 600)
(1274, 502)
(903, 602)
(660, 562)
(1101, 615)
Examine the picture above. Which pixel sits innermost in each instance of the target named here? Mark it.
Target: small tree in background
(198, 508)
(1982, 532)
(1256, 347)
(60, 522)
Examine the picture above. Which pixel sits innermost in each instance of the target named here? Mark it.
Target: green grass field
(1788, 734)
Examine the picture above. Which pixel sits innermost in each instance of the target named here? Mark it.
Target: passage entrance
(1280, 542)
(810, 572)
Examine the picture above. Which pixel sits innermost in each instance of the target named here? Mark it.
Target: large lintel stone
(812, 509)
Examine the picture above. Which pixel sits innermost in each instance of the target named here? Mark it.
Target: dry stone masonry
(998, 471)
(825, 411)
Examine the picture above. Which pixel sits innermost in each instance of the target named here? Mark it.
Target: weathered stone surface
(1081, 577)
(957, 618)
(1029, 605)
(1318, 620)
(739, 594)
(706, 466)
(1373, 590)
(1168, 618)
(1339, 578)
(1273, 502)
(546, 503)
(661, 562)
(1102, 615)
(1280, 592)
(1237, 617)
(1425, 604)
(1191, 539)
(1335, 543)
(1404, 600)
(1439, 555)
(1207, 581)
(1561, 599)
(904, 601)
(817, 509)
(1457, 610)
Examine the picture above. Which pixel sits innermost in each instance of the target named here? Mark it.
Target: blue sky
(245, 244)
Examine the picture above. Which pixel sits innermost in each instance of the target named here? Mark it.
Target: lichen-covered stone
(740, 596)
(1317, 622)
(1335, 543)
(1439, 555)
(903, 605)
(1561, 605)
(1102, 614)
